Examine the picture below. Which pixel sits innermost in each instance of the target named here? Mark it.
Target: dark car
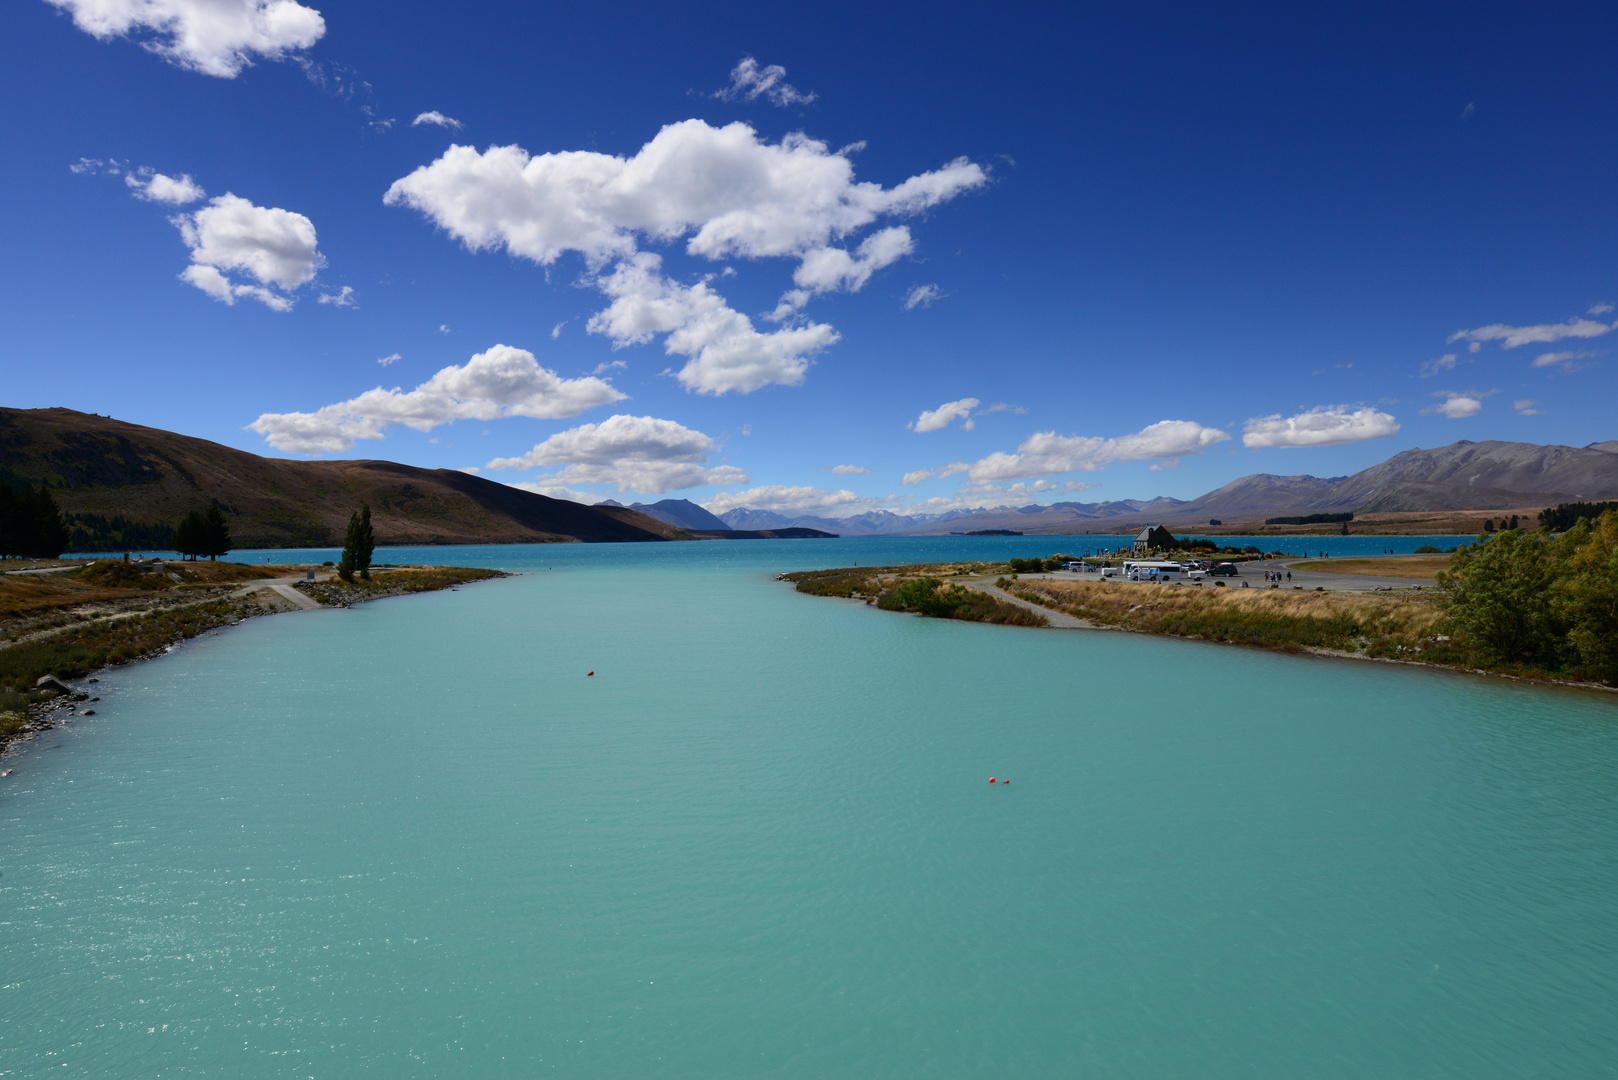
(1224, 569)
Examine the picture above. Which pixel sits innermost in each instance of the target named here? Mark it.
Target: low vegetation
(1353, 622)
(1527, 604)
(393, 581)
(922, 590)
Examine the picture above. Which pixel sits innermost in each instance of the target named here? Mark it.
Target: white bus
(1153, 570)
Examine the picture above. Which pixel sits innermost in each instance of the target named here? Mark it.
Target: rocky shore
(56, 693)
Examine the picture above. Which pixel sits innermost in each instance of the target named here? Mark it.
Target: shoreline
(866, 585)
(260, 598)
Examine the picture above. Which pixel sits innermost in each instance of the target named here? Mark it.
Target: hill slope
(96, 465)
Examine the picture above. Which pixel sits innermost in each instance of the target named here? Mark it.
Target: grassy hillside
(104, 467)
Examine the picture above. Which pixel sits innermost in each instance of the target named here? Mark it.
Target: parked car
(1224, 569)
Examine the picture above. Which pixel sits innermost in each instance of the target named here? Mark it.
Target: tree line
(1542, 600)
(31, 525)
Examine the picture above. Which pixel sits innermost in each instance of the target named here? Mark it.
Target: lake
(415, 838)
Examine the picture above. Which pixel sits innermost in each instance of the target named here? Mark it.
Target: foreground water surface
(414, 838)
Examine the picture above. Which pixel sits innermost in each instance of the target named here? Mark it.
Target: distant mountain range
(99, 467)
(109, 469)
(1461, 476)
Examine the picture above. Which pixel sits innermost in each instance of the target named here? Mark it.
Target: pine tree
(11, 519)
(216, 532)
(345, 565)
(365, 543)
(191, 535)
(48, 533)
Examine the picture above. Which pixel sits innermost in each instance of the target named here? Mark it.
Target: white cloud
(944, 415)
(391, 359)
(1525, 407)
(921, 296)
(953, 469)
(735, 194)
(784, 499)
(470, 470)
(1456, 406)
(215, 37)
(1047, 453)
(87, 165)
(722, 189)
(830, 269)
(443, 328)
(1446, 362)
(438, 118)
(749, 82)
(1327, 425)
(1568, 361)
(344, 297)
(500, 382)
(276, 247)
(1512, 336)
(1600, 309)
(849, 470)
(155, 187)
(725, 352)
(633, 453)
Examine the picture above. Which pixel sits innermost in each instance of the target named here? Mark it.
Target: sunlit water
(414, 838)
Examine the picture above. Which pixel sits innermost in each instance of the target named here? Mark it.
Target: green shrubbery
(1541, 601)
(930, 596)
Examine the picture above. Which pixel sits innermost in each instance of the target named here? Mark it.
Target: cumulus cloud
(1327, 425)
(392, 358)
(633, 453)
(784, 499)
(215, 37)
(1510, 337)
(832, 269)
(437, 118)
(1047, 453)
(725, 192)
(941, 417)
(343, 297)
(849, 470)
(155, 187)
(1456, 406)
(921, 296)
(1525, 407)
(725, 352)
(500, 382)
(1600, 309)
(275, 247)
(749, 82)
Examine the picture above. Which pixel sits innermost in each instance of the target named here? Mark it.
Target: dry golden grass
(1378, 625)
(1421, 566)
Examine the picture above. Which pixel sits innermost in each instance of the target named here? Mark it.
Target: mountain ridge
(101, 466)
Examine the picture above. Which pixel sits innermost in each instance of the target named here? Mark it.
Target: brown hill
(96, 465)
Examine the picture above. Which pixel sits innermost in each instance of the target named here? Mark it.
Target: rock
(88, 712)
(51, 682)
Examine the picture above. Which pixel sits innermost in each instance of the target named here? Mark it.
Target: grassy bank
(922, 590)
(1357, 623)
(1526, 606)
(75, 623)
(393, 581)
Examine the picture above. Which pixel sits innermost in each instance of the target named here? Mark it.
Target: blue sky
(815, 260)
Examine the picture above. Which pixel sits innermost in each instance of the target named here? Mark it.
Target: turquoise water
(415, 839)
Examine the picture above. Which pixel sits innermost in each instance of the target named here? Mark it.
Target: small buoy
(589, 673)
(991, 779)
